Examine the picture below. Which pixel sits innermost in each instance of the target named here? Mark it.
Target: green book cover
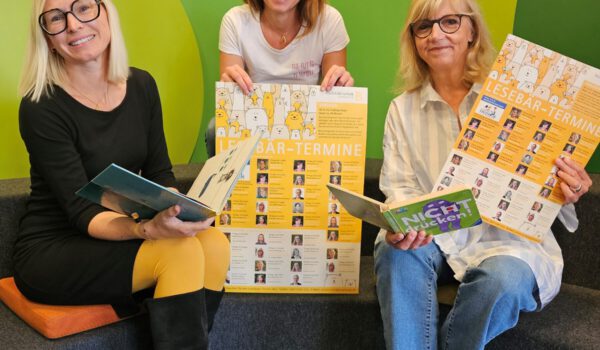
(437, 212)
(443, 213)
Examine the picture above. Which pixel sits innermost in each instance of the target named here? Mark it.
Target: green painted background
(176, 40)
(159, 38)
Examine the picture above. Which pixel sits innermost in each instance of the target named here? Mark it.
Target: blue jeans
(488, 302)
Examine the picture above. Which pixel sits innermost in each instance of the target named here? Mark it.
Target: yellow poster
(535, 106)
(288, 234)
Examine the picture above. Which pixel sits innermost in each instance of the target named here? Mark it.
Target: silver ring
(576, 190)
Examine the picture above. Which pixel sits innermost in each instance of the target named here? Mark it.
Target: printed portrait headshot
(260, 239)
(296, 254)
(484, 172)
(298, 208)
(262, 164)
(295, 280)
(498, 146)
(299, 166)
(574, 138)
(262, 179)
(261, 220)
(533, 147)
(332, 253)
(463, 145)
(474, 123)
(298, 180)
(296, 266)
(544, 126)
(514, 184)
(509, 125)
(545, 192)
(335, 166)
(298, 193)
(521, 169)
(225, 219)
(550, 181)
(262, 192)
(335, 179)
(515, 113)
(538, 136)
(333, 222)
(261, 207)
(332, 235)
(297, 240)
(469, 134)
(260, 265)
(456, 159)
(569, 149)
(297, 221)
(260, 278)
(537, 206)
(333, 208)
(492, 157)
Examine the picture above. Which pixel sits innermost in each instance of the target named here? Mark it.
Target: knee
(182, 250)
(503, 277)
(387, 256)
(215, 243)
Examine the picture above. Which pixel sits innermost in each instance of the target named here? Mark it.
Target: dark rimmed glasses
(448, 24)
(54, 21)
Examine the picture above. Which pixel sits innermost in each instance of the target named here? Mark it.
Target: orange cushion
(55, 321)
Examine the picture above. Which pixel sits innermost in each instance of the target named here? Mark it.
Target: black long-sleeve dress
(56, 261)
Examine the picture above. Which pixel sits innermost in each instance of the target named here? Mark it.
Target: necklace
(283, 36)
(97, 103)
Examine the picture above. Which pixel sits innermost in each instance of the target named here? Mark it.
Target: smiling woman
(82, 109)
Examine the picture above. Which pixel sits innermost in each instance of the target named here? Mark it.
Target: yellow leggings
(182, 265)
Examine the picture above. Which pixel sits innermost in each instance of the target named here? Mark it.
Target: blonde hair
(414, 71)
(43, 68)
(308, 10)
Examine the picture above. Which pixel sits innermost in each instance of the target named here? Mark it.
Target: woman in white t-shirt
(292, 42)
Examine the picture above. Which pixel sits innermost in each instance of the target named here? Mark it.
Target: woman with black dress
(82, 109)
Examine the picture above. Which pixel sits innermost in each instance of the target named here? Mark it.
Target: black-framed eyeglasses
(448, 24)
(54, 21)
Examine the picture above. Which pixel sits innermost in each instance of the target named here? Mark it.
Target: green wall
(160, 39)
(177, 41)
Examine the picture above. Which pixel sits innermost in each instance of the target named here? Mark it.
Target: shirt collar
(428, 93)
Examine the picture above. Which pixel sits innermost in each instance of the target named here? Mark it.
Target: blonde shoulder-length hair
(414, 71)
(309, 11)
(43, 68)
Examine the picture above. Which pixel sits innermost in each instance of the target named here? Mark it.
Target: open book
(435, 213)
(128, 193)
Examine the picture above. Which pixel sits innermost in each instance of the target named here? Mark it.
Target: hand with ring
(575, 181)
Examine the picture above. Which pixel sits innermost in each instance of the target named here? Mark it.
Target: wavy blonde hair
(414, 71)
(43, 68)
(308, 10)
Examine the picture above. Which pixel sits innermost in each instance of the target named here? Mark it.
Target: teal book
(125, 192)
(438, 212)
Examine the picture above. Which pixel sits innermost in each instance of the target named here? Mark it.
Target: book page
(288, 233)
(219, 174)
(535, 106)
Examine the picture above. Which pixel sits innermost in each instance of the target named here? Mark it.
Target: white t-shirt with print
(297, 63)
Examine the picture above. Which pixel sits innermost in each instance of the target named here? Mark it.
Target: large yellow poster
(535, 106)
(288, 233)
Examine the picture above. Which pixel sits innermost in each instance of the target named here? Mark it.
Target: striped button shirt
(420, 130)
